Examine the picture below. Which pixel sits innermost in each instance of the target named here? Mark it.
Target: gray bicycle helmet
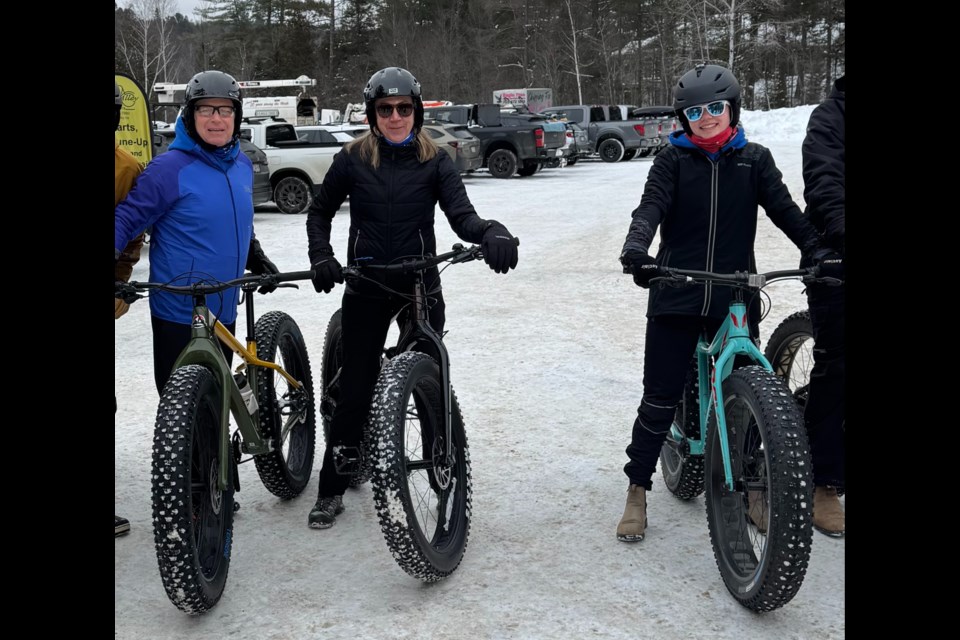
(211, 84)
(390, 82)
(118, 102)
(706, 83)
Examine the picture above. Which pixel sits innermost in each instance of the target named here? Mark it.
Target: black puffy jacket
(707, 214)
(824, 167)
(391, 209)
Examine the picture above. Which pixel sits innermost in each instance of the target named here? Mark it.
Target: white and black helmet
(388, 83)
(212, 84)
(706, 83)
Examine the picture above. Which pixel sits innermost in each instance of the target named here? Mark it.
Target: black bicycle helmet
(118, 102)
(211, 84)
(706, 83)
(390, 82)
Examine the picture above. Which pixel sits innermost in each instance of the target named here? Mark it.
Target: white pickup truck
(297, 168)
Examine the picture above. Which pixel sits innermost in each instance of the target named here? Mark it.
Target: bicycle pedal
(347, 460)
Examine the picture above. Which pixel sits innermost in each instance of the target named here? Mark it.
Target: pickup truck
(297, 167)
(509, 143)
(611, 135)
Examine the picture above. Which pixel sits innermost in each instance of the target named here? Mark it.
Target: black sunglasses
(386, 110)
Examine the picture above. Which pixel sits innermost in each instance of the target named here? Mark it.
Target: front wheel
(422, 497)
(790, 352)
(761, 530)
(293, 195)
(502, 163)
(682, 471)
(287, 414)
(192, 516)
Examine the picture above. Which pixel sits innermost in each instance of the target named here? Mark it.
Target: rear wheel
(502, 163)
(682, 471)
(330, 391)
(610, 150)
(628, 155)
(790, 352)
(293, 195)
(763, 555)
(192, 516)
(287, 413)
(422, 498)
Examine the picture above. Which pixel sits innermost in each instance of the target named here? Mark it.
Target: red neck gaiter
(714, 144)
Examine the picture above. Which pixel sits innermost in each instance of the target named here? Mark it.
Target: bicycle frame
(204, 349)
(717, 355)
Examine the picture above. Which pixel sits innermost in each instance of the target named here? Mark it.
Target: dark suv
(262, 191)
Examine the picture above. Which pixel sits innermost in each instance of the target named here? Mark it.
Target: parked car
(262, 191)
(577, 145)
(456, 140)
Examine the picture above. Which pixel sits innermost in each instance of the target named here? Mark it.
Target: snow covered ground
(546, 363)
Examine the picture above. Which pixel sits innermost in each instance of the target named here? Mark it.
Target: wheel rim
(206, 498)
(435, 489)
(292, 196)
(293, 404)
(793, 363)
(672, 459)
(740, 543)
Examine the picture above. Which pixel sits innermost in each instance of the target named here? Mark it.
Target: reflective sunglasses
(207, 110)
(386, 110)
(714, 108)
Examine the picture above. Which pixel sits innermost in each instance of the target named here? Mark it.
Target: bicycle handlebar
(458, 254)
(127, 290)
(682, 277)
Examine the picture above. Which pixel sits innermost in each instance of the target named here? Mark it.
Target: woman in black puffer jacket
(703, 192)
(395, 176)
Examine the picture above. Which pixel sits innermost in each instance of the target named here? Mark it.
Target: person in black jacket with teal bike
(824, 171)
(395, 175)
(703, 192)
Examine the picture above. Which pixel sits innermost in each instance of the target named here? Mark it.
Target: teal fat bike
(739, 435)
(195, 459)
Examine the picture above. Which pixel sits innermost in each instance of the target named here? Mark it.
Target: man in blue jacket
(198, 199)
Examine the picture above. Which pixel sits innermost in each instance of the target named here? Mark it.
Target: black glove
(499, 248)
(830, 263)
(260, 264)
(326, 272)
(642, 266)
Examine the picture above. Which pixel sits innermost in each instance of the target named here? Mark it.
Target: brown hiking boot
(634, 521)
(828, 517)
(757, 510)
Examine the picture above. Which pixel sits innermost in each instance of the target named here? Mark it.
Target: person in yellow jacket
(126, 170)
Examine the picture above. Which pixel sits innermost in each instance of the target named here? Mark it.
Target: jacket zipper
(711, 234)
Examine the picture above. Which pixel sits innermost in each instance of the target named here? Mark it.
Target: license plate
(559, 153)
(256, 168)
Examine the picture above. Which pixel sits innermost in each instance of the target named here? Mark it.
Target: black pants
(366, 321)
(670, 346)
(169, 339)
(825, 410)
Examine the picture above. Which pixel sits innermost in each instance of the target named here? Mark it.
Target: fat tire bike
(739, 435)
(195, 460)
(414, 446)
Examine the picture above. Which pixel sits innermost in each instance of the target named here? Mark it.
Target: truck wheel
(502, 163)
(292, 195)
(610, 150)
(628, 155)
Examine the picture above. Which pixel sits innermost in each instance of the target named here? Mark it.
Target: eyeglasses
(386, 110)
(714, 108)
(207, 110)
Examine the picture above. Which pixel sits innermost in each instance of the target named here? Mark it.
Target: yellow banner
(135, 133)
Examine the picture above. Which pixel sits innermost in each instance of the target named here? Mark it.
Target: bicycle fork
(732, 339)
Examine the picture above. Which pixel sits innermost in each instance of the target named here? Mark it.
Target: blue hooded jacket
(200, 205)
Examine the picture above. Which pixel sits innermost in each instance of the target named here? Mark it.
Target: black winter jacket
(391, 210)
(824, 167)
(707, 214)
